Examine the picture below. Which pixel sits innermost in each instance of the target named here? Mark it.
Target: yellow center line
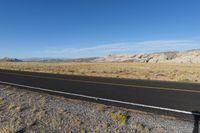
(104, 83)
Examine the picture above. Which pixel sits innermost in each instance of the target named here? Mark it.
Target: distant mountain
(190, 56)
(59, 59)
(6, 59)
(43, 59)
(84, 59)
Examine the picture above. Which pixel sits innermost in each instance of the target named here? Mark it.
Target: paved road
(170, 96)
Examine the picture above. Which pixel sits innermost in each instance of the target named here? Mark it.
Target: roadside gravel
(26, 111)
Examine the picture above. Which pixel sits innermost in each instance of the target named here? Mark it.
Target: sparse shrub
(118, 117)
(7, 129)
(140, 128)
(1, 101)
(71, 71)
(159, 130)
(83, 131)
(100, 107)
(102, 128)
(146, 75)
(12, 106)
(93, 71)
(184, 78)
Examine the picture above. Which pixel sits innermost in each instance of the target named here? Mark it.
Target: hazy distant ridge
(6, 59)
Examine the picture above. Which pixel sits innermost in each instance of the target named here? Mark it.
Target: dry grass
(8, 129)
(151, 71)
(103, 127)
(1, 100)
(118, 117)
(100, 107)
(140, 128)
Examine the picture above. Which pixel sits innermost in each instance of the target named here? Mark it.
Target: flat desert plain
(180, 72)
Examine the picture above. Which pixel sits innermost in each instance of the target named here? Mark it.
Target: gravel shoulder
(26, 111)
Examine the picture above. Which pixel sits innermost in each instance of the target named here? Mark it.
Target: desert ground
(25, 111)
(180, 72)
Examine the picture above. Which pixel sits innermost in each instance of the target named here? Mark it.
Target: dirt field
(150, 71)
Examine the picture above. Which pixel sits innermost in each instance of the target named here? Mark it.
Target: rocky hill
(191, 56)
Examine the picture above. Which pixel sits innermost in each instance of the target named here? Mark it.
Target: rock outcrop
(191, 56)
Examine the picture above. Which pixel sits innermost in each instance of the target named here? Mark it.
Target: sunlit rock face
(191, 56)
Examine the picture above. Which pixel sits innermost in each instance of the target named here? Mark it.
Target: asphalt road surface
(168, 96)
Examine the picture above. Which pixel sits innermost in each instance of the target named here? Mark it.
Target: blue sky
(85, 28)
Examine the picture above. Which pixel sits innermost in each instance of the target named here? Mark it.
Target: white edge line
(104, 99)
